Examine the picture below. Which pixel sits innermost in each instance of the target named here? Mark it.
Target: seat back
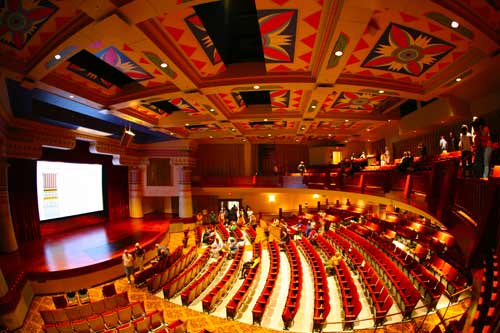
(96, 322)
(109, 290)
(111, 318)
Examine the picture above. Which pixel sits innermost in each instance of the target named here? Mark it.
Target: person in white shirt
(443, 144)
(128, 264)
(465, 146)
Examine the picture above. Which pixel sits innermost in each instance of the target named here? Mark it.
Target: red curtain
(219, 160)
(117, 188)
(23, 200)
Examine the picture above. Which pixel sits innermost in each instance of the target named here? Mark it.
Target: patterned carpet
(198, 321)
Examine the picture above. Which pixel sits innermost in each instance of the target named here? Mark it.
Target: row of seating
(238, 233)
(177, 326)
(251, 233)
(195, 289)
(272, 276)
(455, 280)
(374, 289)
(179, 282)
(486, 315)
(221, 229)
(295, 289)
(217, 292)
(106, 320)
(321, 295)
(348, 290)
(85, 310)
(239, 298)
(429, 285)
(158, 280)
(140, 277)
(405, 293)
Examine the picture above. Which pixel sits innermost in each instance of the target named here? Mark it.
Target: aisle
(303, 321)
(272, 315)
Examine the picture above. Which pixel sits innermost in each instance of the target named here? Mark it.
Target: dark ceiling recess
(262, 123)
(233, 26)
(259, 97)
(166, 106)
(102, 69)
(411, 105)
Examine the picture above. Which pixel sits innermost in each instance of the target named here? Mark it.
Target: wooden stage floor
(77, 251)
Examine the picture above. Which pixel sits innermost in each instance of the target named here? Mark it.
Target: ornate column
(183, 169)
(135, 189)
(8, 241)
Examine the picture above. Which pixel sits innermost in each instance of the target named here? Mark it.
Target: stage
(84, 257)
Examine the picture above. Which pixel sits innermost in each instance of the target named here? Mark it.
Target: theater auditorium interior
(180, 125)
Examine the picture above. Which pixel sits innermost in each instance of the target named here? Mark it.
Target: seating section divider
(272, 276)
(130, 314)
(295, 288)
(181, 280)
(195, 289)
(158, 280)
(401, 287)
(140, 277)
(321, 295)
(429, 286)
(350, 298)
(86, 310)
(225, 284)
(224, 234)
(239, 298)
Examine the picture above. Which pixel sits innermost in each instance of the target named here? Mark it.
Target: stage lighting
(127, 137)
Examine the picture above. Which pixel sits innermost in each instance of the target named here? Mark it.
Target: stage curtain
(23, 200)
(117, 188)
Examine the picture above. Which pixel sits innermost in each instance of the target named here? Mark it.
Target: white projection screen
(67, 189)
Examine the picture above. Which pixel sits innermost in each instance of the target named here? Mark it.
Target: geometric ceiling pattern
(329, 70)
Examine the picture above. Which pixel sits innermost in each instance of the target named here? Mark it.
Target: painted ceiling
(330, 69)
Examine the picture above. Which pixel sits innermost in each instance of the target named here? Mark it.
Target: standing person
(387, 154)
(128, 264)
(276, 169)
(443, 145)
(488, 146)
(301, 168)
(452, 143)
(465, 146)
(477, 147)
(139, 254)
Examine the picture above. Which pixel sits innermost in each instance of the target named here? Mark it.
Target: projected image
(66, 189)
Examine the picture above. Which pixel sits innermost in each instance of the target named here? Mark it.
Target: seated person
(208, 236)
(248, 266)
(216, 247)
(313, 236)
(233, 247)
(333, 262)
(161, 251)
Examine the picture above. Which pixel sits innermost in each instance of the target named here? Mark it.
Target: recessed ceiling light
(454, 24)
(302, 128)
(71, 96)
(256, 87)
(269, 134)
(346, 120)
(57, 56)
(163, 65)
(187, 124)
(458, 79)
(313, 106)
(265, 119)
(211, 110)
(339, 53)
(369, 140)
(297, 140)
(330, 134)
(389, 120)
(381, 91)
(368, 130)
(414, 131)
(244, 140)
(211, 137)
(171, 133)
(346, 141)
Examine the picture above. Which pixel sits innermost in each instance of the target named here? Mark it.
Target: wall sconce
(272, 198)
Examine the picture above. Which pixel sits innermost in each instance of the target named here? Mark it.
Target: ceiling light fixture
(330, 134)
(71, 96)
(381, 91)
(187, 124)
(388, 120)
(346, 120)
(256, 87)
(297, 140)
(211, 137)
(57, 56)
(269, 134)
(454, 24)
(458, 79)
(211, 110)
(265, 119)
(163, 65)
(339, 53)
